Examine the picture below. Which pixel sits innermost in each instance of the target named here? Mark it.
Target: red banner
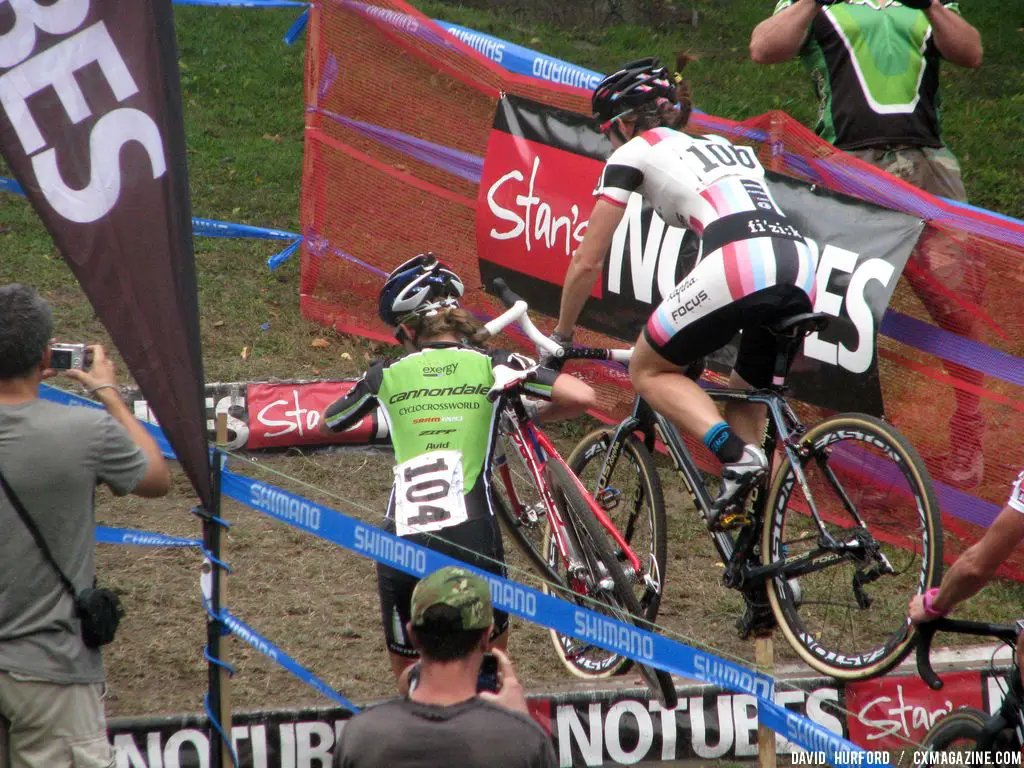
(283, 415)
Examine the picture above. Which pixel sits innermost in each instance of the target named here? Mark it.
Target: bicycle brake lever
(925, 633)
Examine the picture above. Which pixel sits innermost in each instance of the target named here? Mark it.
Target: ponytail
(454, 320)
(670, 113)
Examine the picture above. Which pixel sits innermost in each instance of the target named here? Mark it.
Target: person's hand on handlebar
(545, 358)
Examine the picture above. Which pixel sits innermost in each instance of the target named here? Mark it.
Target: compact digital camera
(65, 356)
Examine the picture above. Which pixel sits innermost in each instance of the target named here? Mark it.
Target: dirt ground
(319, 603)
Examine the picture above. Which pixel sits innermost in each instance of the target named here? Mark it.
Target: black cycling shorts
(711, 305)
(476, 542)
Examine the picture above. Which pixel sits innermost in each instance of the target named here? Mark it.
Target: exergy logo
(435, 371)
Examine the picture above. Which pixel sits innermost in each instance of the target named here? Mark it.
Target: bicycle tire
(966, 726)
(576, 511)
(600, 664)
(878, 470)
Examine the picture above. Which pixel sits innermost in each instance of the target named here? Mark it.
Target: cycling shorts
(476, 542)
(741, 286)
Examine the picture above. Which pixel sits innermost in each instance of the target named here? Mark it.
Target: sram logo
(858, 357)
(55, 71)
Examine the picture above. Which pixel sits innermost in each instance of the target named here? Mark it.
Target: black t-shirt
(472, 734)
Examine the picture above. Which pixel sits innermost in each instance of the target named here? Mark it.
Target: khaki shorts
(52, 725)
(933, 169)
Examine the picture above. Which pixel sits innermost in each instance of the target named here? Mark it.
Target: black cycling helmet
(421, 286)
(638, 83)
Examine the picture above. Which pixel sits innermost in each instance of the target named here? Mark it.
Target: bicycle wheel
(960, 731)
(632, 497)
(848, 620)
(605, 578)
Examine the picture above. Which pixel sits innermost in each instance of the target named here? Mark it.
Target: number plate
(429, 493)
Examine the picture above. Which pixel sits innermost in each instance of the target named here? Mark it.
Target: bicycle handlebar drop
(926, 633)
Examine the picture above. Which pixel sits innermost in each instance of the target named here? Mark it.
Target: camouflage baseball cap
(459, 589)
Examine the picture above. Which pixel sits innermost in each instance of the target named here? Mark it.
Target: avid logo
(435, 371)
(534, 219)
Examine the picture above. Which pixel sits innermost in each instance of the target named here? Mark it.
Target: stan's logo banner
(90, 123)
(535, 199)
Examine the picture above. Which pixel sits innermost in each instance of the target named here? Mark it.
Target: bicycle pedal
(728, 521)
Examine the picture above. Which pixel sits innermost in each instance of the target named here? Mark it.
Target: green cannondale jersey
(442, 427)
(876, 73)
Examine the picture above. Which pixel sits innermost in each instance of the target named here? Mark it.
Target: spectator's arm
(957, 41)
(117, 465)
(779, 37)
(975, 567)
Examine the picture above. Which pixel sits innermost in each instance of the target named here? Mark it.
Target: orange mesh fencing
(398, 118)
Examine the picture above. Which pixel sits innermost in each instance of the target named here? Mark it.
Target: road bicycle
(970, 729)
(841, 532)
(563, 532)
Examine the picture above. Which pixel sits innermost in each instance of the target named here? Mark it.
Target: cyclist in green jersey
(442, 425)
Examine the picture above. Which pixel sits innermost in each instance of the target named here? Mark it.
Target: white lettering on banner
(199, 742)
(996, 694)
(258, 740)
(901, 716)
(127, 755)
(542, 226)
(298, 418)
(238, 430)
(857, 359)
(511, 597)
(565, 74)
(313, 742)
(661, 253)
(744, 716)
(389, 550)
(612, 730)
(699, 728)
(572, 731)
(668, 726)
(60, 18)
(286, 742)
(802, 730)
(284, 506)
(250, 637)
(55, 68)
(730, 675)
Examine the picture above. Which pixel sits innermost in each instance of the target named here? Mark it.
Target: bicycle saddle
(800, 325)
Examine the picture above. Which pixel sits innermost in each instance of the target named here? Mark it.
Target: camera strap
(40, 541)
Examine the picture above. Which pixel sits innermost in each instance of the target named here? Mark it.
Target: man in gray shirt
(53, 456)
(444, 721)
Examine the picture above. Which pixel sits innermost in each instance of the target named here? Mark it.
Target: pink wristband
(929, 599)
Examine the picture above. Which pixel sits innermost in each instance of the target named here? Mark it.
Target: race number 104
(858, 757)
(1005, 757)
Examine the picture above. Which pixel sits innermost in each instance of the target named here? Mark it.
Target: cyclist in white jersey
(754, 266)
(976, 567)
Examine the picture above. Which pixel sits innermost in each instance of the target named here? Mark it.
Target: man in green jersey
(442, 426)
(875, 67)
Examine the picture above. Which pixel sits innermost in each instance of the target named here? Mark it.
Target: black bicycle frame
(742, 569)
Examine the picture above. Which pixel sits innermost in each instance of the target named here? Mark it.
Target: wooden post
(764, 658)
(222, 429)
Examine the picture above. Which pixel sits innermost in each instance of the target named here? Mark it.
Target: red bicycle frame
(536, 449)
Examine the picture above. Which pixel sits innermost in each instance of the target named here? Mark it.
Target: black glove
(921, 5)
(828, 2)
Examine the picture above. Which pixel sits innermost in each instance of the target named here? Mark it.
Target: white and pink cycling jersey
(1017, 494)
(715, 188)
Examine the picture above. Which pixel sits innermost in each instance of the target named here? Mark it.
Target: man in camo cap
(458, 589)
(444, 720)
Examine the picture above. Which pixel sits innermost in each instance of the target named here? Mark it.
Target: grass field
(244, 116)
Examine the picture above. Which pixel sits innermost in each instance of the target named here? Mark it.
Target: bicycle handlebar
(518, 311)
(926, 633)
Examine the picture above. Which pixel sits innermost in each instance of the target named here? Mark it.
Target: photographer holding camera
(51, 619)
(450, 717)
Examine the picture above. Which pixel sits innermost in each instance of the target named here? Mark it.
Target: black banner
(91, 125)
(535, 197)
